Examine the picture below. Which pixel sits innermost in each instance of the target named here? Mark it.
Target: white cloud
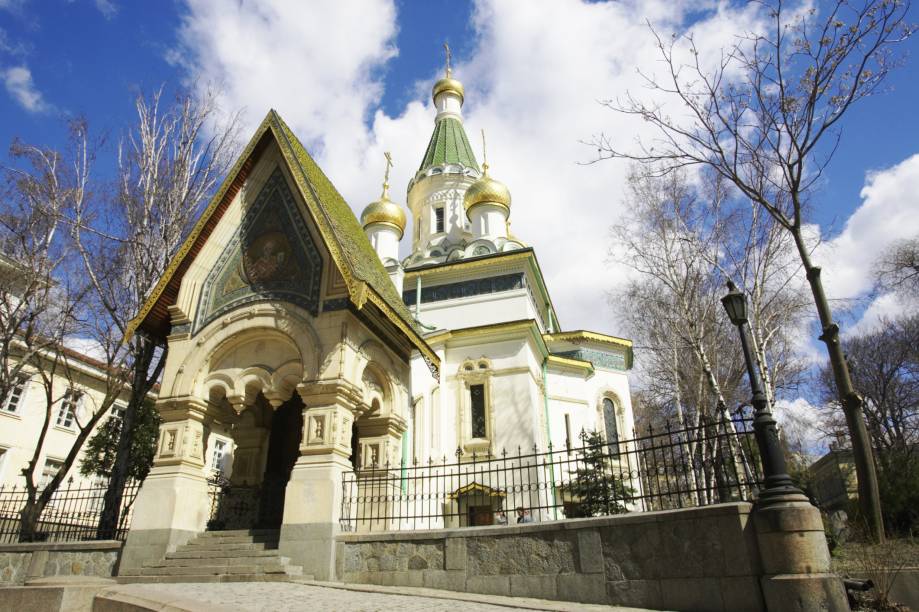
(887, 214)
(802, 425)
(533, 82)
(86, 347)
(108, 8)
(19, 84)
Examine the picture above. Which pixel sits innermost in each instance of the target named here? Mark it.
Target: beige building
(78, 393)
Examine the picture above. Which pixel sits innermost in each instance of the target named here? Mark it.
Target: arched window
(610, 424)
(476, 434)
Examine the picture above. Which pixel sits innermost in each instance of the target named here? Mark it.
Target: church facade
(302, 347)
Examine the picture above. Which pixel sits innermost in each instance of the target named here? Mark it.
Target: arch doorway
(250, 494)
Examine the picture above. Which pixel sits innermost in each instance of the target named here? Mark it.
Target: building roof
(448, 145)
(581, 335)
(365, 277)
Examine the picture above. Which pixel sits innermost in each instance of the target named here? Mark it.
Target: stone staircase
(221, 556)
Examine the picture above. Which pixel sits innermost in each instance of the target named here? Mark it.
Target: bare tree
(765, 116)
(169, 164)
(885, 367)
(685, 240)
(898, 268)
(43, 302)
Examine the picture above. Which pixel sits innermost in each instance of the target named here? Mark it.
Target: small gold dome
(384, 211)
(487, 190)
(448, 84)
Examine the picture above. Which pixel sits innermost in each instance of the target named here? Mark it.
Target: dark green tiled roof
(355, 247)
(449, 145)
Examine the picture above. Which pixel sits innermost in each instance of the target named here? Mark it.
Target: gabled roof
(365, 277)
(448, 145)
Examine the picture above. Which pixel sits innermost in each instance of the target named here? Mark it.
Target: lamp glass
(735, 303)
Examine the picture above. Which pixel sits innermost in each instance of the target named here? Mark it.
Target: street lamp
(778, 485)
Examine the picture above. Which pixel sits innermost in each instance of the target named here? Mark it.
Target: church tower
(448, 169)
(458, 210)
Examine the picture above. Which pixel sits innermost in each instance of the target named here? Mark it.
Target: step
(222, 561)
(241, 539)
(275, 568)
(225, 547)
(207, 578)
(222, 554)
(230, 533)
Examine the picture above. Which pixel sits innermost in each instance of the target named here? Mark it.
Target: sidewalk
(316, 597)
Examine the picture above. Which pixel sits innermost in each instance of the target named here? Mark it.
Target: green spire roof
(449, 145)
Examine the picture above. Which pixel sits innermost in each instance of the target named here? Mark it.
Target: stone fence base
(20, 563)
(693, 559)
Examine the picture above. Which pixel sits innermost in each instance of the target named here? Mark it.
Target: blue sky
(353, 79)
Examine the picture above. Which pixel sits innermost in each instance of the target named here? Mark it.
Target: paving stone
(288, 597)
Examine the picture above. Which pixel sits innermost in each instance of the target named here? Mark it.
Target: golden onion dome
(448, 84)
(386, 212)
(487, 190)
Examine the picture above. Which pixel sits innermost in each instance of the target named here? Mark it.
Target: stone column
(796, 573)
(380, 456)
(312, 502)
(172, 505)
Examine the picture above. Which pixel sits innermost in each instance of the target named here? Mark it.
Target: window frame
(18, 392)
(474, 372)
(70, 403)
(440, 220)
(613, 445)
(42, 482)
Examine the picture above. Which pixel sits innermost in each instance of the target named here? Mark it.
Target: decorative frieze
(468, 288)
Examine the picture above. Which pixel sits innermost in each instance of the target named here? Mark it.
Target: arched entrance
(250, 382)
(250, 492)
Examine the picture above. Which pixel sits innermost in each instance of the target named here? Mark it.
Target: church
(304, 351)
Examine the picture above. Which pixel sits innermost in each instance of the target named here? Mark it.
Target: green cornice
(448, 145)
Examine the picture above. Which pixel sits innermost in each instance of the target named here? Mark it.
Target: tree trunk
(868, 495)
(685, 439)
(737, 452)
(140, 386)
(28, 520)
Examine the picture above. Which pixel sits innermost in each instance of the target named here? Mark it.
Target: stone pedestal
(795, 559)
(312, 501)
(172, 505)
(312, 504)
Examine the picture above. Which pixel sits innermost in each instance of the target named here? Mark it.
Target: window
(52, 467)
(477, 401)
(439, 219)
(568, 432)
(118, 411)
(17, 391)
(217, 456)
(612, 429)
(67, 411)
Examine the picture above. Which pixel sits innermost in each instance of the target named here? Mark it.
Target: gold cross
(484, 155)
(388, 156)
(447, 51)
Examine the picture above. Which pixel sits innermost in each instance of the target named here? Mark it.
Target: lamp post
(778, 485)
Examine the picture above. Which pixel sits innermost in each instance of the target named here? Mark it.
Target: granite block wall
(694, 559)
(21, 562)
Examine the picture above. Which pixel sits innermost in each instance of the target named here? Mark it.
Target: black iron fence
(665, 468)
(242, 506)
(71, 515)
